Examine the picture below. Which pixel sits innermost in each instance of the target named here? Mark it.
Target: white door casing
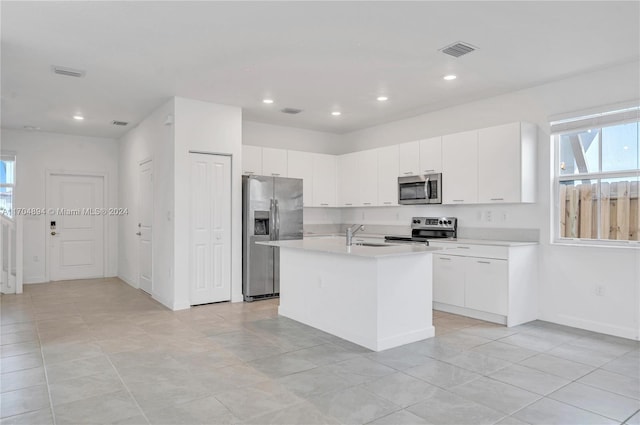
(77, 243)
(144, 230)
(210, 228)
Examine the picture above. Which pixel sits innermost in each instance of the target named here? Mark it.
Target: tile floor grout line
(144, 415)
(46, 376)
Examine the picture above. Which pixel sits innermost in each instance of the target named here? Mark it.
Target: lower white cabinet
(486, 285)
(448, 279)
(488, 282)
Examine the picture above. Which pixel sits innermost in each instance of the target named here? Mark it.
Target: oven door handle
(427, 189)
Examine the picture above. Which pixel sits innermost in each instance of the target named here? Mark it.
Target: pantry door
(75, 226)
(210, 233)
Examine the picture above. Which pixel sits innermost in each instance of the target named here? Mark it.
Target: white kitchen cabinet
(324, 180)
(506, 163)
(431, 155)
(348, 180)
(300, 166)
(460, 168)
(409, 158)
(251, 160)
(488, 282)
(367, 177)
(486, 285)
(388, 172)
(448, 279)
(274, 162)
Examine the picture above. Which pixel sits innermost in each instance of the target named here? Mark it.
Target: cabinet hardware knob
(458, 200)
(53, 233)
(484, 262)
(497, 199)
(139, 233)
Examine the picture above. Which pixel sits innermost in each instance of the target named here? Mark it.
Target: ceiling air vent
(122, 123)
(68, 72)
(458, 49)
(291, 111)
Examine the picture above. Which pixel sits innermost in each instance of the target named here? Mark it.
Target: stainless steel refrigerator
(271, 211)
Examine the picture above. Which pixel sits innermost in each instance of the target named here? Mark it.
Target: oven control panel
(434, 222)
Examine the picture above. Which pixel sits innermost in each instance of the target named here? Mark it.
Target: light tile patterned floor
(99, 351)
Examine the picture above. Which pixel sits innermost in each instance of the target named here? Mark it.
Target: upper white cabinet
(367, 177)
(251, 160)
(274, 162)
(348, 180)
(506, 163)
(388, 172)
(358, 179)
(300, 166)
(460, 168)
(324, 180)
(431, 155)
(409, 158)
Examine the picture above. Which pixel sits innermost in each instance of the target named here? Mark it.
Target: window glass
(7, 171)
(579, 152)
(6, 200)
(620, 147)
(598, 183)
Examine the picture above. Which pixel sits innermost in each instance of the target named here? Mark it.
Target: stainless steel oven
(424, 229)
(423, 189)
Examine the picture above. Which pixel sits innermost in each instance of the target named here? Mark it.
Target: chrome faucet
(352, 231)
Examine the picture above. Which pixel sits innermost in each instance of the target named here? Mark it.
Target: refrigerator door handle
(272, 221)
(277, 224)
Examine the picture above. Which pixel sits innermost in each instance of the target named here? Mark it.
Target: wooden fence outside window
(619, 214)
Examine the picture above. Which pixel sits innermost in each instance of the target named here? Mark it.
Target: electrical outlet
(488, 216)
(504, 216)
(600, 291)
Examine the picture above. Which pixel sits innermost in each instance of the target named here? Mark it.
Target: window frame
(557, 178)
(11, 156)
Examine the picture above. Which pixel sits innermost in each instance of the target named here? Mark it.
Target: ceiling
(315, 56)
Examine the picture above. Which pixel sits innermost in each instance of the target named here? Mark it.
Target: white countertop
(482, 242)
(371, 236)
(336, 245)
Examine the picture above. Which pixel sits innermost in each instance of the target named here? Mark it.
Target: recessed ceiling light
(382, 98)
(450, 77)
(267, 101)
(336, 113)
(78, 117)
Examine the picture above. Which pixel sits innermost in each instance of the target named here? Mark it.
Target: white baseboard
(462, 311)
(33, 279)
(594, 326)
(128, 281)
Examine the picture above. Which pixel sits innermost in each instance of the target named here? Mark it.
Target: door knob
(139, 233)
(53, 233)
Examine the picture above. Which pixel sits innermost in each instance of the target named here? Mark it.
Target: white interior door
(144, 232)
(210, 238)
(76, 227)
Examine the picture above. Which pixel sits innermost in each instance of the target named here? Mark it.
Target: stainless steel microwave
(423, 189)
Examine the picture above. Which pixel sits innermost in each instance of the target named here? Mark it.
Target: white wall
(211, 128)
(277, 136)
(38, 152)
(150, 139)
(568, 275)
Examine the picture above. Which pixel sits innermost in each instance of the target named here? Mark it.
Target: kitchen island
(378, 296)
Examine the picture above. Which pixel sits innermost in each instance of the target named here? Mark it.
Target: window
(7, 183)
(597, 174)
